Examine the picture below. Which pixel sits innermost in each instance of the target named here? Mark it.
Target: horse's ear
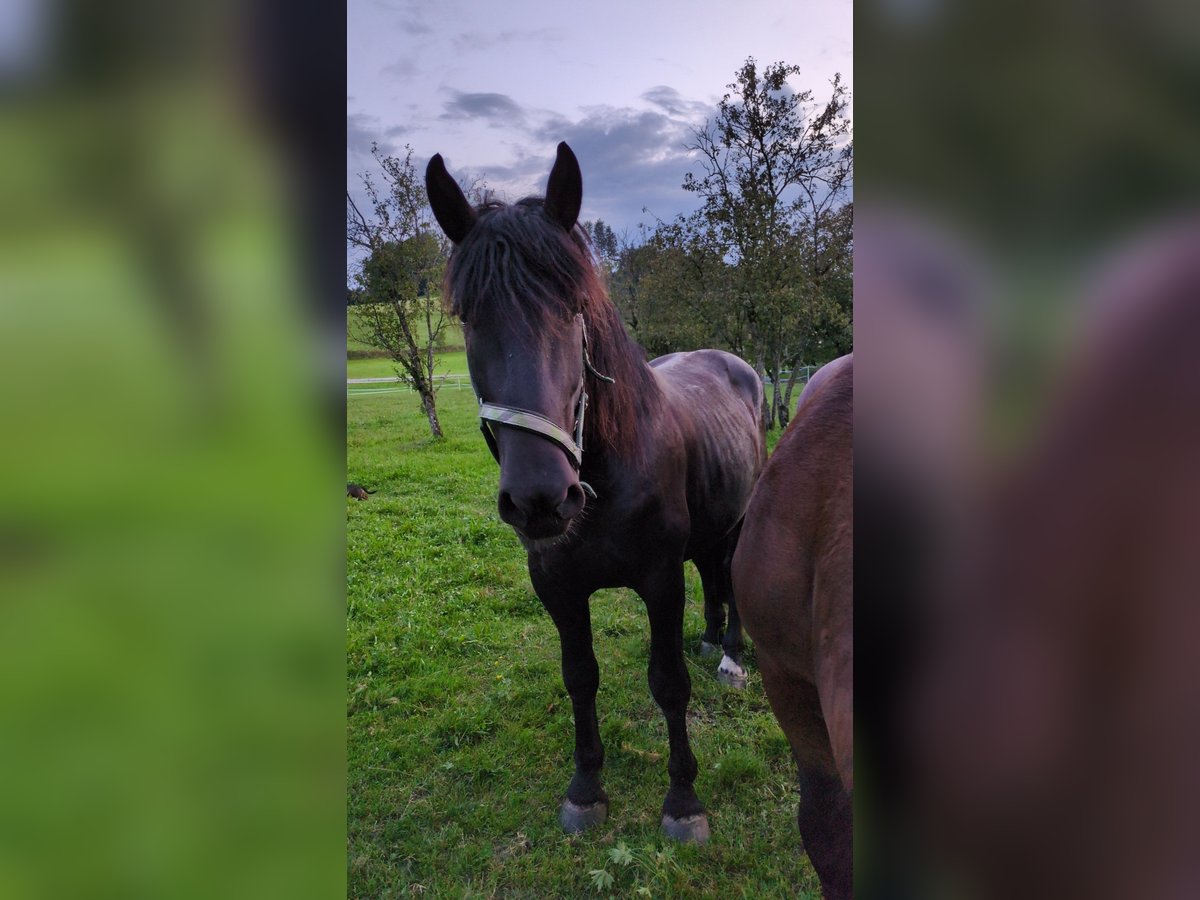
(564, 191)
(450, 206)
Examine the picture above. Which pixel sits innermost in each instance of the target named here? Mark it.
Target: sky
(495, 86)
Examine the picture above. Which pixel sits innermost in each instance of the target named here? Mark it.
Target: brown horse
(793, 579)
(672, 452)
(1056, 715)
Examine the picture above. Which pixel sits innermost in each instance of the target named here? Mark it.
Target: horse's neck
(637, 402)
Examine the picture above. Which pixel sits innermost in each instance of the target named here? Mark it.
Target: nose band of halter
(531, 421)
(539, 424)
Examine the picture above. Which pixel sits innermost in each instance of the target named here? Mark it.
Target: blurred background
(171, 537)
(171, 531)
(1027, 434)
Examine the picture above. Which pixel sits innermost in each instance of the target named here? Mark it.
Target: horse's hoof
(688, 830)
(731, 674)
(575, 819)
(707, 649)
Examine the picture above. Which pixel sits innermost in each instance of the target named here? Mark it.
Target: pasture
(375, 367)
(459, 729)
(368, 361)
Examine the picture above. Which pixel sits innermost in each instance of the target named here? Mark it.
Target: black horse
(673, 449)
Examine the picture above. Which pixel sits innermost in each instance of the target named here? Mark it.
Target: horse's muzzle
(538, 513)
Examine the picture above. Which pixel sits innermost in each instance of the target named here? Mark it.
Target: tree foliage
(763, 268)
(646, 286)
(605, 242)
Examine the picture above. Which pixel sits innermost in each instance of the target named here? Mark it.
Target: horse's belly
(722, 476)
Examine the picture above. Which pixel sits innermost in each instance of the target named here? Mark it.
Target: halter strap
(587, 360)
(539, 424)
(531, 421)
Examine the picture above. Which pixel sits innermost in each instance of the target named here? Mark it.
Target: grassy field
(450, 361)
(459, 729)
(447, 364)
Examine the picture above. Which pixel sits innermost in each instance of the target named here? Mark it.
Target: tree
(777, 169)
(604, 242)
(824, 325)
(627, 289)
(404, 252)
(691, 288)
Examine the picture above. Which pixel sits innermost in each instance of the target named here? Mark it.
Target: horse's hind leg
(826, 826)
(825, 815)
(714, 611)
(683, 814)
(586, 803)
(718, 594)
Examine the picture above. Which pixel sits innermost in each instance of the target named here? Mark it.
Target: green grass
(459, 729)
(447, 364)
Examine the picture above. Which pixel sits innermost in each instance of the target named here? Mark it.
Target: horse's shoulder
(836, 376)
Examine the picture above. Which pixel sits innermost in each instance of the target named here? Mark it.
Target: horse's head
(516, 279)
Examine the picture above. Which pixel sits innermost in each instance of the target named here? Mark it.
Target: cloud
(403, 69)
(674, 103)
(631, 159)
(473, 41)
(361, 131)
(483, 106)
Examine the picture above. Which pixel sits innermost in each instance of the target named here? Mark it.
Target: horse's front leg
(586, 803)
(683, 814)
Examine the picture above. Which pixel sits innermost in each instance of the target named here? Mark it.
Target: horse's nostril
(509, 512)
(546, 507)
(572, 504)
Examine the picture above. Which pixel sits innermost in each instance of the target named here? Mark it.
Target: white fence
(806, 373)
(394, 383)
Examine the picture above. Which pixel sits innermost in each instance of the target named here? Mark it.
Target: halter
(539, 424)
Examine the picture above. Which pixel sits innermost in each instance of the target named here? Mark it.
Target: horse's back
(715, 399)
(702, 369)
(792, 573)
